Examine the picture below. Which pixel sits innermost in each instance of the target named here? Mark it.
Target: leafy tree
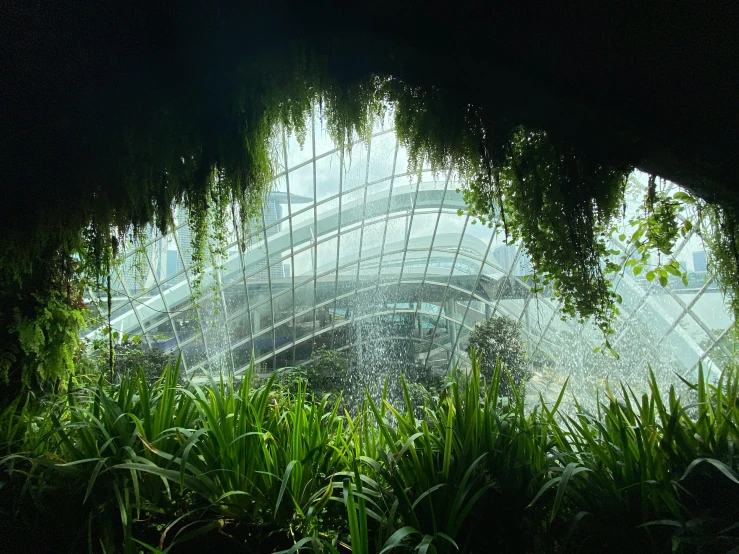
(499, 337)
(328, 371)
(130, 356)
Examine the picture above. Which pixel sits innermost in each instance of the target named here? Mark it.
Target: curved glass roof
(353, 252)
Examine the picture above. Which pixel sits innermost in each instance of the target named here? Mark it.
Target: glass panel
(391, 265)
(326, 287)
(467, 267)
(501, 256)
(368, 273)
(255, 258)
(401, 162)
(231, 270)
(162, 335)
(347, 280)
(723, 352)
(304, 325)
(165, 258)
(258, 291)
(355, 167)
(711, 309)
(377, 199)
(278, 195)
(382, 157)
(327, 255)
(193, 353)
(403, 195)
(238, 328)
(511, 307)
(686, 345)
(186, 324)
(284, 358)
(282, 305)
(263, 346)
(303, 264)
(150, 310)
(327, 215)
(372, 237)
(284, 334)
(278, 244)
(298, 153)
(396, 233)
(352, 207)
(241, 356)
(301, 188)
(349, 247)
(454, 200)
(448, 234)
(422, 230)
(540, 313)
(261, 318)
(323, 323)
(327, 176)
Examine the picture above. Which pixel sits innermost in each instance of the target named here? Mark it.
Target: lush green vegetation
(244, 467)
(499, 338)
(215, 160)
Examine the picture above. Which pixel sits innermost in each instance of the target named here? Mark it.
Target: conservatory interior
(352, 252)
(292, 278)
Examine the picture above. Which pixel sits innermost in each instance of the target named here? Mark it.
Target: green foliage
(130, 357)
(725, 354)
(42, 316)
(162, 465)
(560, 205)
(210, 152)
(50, 340)
(499, 338)
(328, 371)
(721, 235)
(654, 468)
(664, 220)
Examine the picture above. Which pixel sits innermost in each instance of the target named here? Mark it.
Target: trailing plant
(720, 232)
(560, 206)
(41, 322)
(50, 340)
(664, 220)
(208, 149)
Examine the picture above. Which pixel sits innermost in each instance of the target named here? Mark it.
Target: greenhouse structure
(353, 252)
(371, 277)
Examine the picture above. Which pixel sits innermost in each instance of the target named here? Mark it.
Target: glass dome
(353, 252)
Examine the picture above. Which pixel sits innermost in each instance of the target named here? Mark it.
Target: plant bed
(253, 468)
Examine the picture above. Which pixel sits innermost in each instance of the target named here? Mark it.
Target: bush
(263, 471)
(128, 358)
(500, 338)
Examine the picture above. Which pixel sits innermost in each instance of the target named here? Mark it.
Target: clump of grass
(138, 466)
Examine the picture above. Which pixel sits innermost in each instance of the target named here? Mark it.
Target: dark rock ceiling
(653, 85)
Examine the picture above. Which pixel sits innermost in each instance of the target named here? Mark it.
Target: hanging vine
(720, 232)
(561, 207)
(207, 147)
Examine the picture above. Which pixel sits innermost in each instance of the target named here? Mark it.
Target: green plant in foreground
(651, 467)
(135, 466)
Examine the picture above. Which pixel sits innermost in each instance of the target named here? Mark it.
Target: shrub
(264, 471)
(128, 358)
(500, 338)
